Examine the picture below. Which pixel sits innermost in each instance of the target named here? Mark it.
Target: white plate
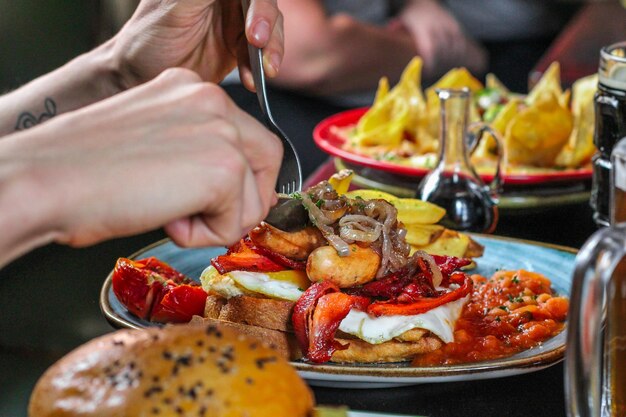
(555, 262)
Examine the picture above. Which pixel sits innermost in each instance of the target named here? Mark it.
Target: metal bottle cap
(612, 69)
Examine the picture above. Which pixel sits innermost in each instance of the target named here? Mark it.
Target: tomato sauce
(507, 313)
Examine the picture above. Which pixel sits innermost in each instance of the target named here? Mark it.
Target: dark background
(49, 298)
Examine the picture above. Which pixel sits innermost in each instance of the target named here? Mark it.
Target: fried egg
(283, 285)
(440, 321)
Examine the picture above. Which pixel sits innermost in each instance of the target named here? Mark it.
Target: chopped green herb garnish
(515, 279)
(505, 308)
(498, 319)
(296, 195)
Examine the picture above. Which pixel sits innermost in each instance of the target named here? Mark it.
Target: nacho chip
(536, 134)
(580, 148)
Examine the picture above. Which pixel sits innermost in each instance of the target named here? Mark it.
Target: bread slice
(261, 312)
(360, 351)
(284, 343)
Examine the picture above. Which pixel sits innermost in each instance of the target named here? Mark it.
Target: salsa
(507, 313)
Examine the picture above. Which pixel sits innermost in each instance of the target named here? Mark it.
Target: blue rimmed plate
(556, 262)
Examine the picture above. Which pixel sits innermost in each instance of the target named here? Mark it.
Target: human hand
(206, 36)
(174, 152)
(439, 38)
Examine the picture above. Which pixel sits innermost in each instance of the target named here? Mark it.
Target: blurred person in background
(337, 50)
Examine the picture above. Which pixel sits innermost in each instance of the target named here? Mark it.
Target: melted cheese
(440, 321)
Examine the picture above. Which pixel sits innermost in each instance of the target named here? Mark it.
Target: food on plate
(153, 290)
(191, 370)
(354, 283)
(507, 313)
(541, 131)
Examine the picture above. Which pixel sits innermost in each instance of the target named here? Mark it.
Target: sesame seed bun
(183, 370)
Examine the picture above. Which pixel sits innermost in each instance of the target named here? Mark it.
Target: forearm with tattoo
(27, 119)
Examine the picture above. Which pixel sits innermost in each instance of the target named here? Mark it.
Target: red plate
(333, 145)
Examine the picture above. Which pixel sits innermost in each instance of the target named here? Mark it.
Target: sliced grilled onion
(319, 219)
(359, 228)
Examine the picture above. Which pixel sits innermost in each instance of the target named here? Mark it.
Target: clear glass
(595, 361)
(454, 184)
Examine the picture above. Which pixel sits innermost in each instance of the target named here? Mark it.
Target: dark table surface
(49, 305)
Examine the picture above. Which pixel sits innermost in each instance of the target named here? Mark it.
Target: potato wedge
(367, 194)
(414, 211)
(449, 243)
(341, 180)
(422, 234)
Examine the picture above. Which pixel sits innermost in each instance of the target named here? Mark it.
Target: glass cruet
(470, 204)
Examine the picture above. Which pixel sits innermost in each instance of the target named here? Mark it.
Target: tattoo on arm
(27, 119)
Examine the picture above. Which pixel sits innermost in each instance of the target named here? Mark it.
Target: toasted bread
(261, 312)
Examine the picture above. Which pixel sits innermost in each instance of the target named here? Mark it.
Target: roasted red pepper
(179, 303)
(449, 264)
(390, 308)
(150, 287)
(241, 257)
(317, 316)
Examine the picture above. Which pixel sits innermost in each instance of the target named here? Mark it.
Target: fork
(290, 174)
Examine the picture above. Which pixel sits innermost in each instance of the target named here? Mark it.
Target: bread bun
(182, 370)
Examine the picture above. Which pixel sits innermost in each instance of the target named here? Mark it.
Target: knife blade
(288, 214)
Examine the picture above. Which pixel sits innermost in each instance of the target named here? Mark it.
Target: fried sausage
(294, 245)
(360, 267)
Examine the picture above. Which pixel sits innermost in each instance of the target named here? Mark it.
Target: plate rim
(324, 140)
(355, 373)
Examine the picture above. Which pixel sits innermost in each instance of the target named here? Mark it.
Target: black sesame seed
(260, 363)
(152, 390)
(209, 392)
(179, 410)
(184, 360)
(155, 410)
(213, 330)
(200, 343)
(167, 355)
(249, 381)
